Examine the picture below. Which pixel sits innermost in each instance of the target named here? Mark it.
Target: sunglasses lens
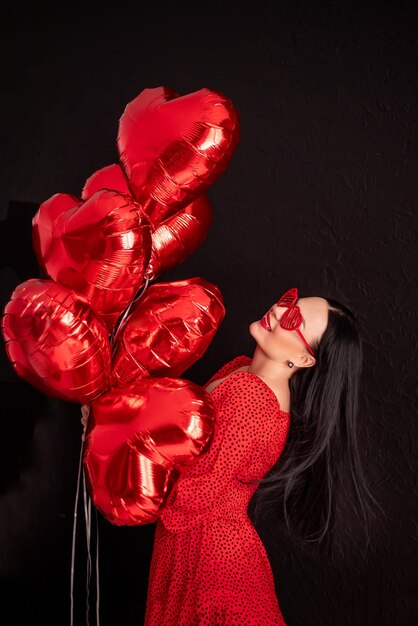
(291, 319)
(289, 297)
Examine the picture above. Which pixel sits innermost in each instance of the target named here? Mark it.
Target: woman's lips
(265, 322)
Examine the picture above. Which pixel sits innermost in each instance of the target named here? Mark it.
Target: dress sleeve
(245, 421)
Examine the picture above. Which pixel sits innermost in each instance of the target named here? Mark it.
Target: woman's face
(280, 344)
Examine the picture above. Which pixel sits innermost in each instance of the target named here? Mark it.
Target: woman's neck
(275, 373)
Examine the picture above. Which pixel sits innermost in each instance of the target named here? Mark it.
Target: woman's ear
(305, 360)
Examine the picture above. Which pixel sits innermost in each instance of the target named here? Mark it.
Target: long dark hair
(320, 466)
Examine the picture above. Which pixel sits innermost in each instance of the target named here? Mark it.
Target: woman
(292, 409)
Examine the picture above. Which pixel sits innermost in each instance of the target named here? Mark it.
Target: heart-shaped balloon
(175, 238)
(100, 247)
(180, 235)
(138, 441)
(170, 328)
(55, 341)
(172, 147)
(108, 177)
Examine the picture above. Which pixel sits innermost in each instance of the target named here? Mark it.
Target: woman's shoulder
(229, 367)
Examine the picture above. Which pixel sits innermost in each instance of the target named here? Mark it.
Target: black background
(321, 194)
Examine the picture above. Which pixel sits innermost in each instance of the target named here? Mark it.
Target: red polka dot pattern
(209, 566)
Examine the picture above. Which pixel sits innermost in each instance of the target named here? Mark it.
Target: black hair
(320, 465)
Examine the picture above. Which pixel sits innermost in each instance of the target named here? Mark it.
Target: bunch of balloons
(82, 335)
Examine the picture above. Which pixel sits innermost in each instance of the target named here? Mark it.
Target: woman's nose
(278, 311)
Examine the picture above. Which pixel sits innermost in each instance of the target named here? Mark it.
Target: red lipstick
(265, 322)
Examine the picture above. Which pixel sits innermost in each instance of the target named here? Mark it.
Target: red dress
(209, 566)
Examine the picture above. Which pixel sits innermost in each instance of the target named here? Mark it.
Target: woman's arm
(245, 425)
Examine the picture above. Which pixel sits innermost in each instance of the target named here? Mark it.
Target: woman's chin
(255, 329)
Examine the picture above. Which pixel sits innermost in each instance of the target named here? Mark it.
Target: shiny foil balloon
(173, 147)
(138, 441)
(169, 329)
(55, 341)
(108, 177)
(100, 247)
(175, 238)
(180, 235)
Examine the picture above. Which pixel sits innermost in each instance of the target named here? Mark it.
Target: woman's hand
(85, 412)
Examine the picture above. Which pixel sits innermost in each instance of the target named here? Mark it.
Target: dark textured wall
(321, 193)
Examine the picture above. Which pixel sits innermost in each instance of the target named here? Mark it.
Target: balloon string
(87, 516)
(74, 537)
(87, 511)
(97, 571)
(119, 325)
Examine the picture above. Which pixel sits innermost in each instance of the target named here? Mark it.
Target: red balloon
(100, 247)
(56, 342)
(180, 235)
(169, 329)
(138, 441)
(108, 177)
(175, 238)
(173, 147)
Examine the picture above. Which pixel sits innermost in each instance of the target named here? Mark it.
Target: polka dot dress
(209, 566)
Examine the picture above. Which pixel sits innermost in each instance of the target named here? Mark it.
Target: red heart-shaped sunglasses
(292, 318)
